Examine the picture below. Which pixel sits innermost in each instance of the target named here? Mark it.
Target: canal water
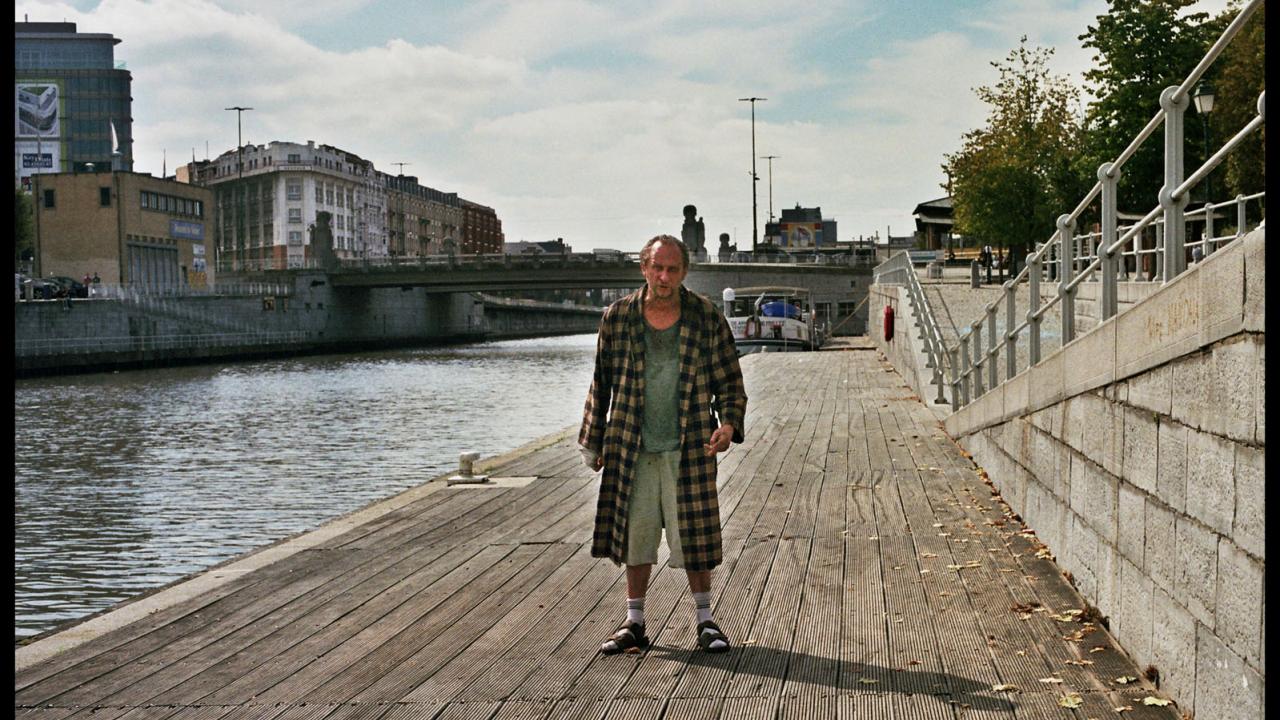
(127, 481)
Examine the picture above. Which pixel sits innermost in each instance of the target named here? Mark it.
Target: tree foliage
(1141, 47)
(1013, 177)
(1239, 78)
(24, 236)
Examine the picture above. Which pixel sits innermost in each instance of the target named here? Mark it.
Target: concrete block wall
(907, 349)
(1137, 454)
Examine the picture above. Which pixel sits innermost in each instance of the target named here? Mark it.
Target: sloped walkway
(870, 571)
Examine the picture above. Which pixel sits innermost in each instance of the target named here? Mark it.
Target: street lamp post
(770, 158)
(239, 190)
(1204, 105)
(755, 229)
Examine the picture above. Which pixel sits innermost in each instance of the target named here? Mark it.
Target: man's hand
(591, 459)
(720, 440)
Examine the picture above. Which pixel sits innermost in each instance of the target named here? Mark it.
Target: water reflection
(128, 481)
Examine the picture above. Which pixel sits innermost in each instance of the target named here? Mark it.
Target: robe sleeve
(596, 411)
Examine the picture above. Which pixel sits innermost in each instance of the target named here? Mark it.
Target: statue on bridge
(694, 234)
(322, 242)
(726, 250)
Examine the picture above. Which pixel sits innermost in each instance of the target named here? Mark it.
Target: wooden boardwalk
(870, 571)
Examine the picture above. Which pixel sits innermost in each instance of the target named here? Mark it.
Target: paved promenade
(870, 571)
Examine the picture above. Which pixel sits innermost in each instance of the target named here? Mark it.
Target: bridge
(491, 273)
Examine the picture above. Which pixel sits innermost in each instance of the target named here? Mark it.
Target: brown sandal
(630, 635)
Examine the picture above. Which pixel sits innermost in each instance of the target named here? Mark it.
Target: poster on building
(32, 157)
(36, 110)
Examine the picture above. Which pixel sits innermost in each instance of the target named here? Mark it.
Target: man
(665, 362)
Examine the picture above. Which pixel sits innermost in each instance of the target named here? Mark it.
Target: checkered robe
(710, 386)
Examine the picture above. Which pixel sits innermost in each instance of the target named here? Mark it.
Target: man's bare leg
(638, 580)
(700, 587)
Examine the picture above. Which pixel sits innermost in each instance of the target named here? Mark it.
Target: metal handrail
(1103, 249)
(900, 266)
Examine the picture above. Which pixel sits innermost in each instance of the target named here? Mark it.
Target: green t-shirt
(660, 426)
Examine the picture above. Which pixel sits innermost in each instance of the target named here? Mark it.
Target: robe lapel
(690, 356)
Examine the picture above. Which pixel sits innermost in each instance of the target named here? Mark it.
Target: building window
(295, 215)
(295, 158)
(295, 191)
(48, 199)
(339, 219)
(104, 197)
(319, 193)
(295, 237)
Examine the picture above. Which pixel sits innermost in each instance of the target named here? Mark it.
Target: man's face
(664, 271)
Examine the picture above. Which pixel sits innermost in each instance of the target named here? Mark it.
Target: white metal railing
(69, 346)
(1073, 259)
(899, 270)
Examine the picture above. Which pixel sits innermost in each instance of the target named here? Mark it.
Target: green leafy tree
(1141, 47)
(1014, 176)
(24, 235)
(1239, 78)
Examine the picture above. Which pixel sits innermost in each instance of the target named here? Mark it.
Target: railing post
(1010, 339)
(1206, 243)
(1240, 216)
(955, 381)
(1175, 229)
(992, 359)
(1033, 304)
(976, 330)
(964, 369)
(1159, 253)
(1065, 274)
(1109, 177)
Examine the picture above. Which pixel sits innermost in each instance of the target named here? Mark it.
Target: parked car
(70, 286)
(42, 289)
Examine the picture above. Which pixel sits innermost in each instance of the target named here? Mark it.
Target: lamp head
(1204, 98)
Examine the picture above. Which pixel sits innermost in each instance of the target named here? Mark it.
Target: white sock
(702, 603)
(635, 610)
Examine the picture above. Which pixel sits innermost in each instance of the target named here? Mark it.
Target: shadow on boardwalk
(840, 677)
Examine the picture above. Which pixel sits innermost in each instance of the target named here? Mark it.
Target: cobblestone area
(956, 306)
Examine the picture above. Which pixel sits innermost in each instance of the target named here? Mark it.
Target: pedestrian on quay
(667, 396)
(95, 285)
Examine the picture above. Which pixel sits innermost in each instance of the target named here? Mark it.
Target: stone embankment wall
(1137, 454)
(906, 349)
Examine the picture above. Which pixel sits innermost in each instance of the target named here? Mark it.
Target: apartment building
(481, 229)
(420, 220)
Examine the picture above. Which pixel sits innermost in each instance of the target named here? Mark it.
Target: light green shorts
(653, 506)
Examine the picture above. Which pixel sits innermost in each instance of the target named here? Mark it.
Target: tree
(1142, 47)
(1013, 177)
(24, 235)
(1239, 78)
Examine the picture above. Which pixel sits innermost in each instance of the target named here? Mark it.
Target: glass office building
(70, 100)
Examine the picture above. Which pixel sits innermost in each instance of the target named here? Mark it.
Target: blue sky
(592, 121)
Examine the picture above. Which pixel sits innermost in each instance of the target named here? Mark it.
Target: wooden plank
(814, 667)
(762, 666)
(342, 673)
(506, 631)
(679, 708)
(749, 708)
(402, 678)
(635, 708)
(468, 711)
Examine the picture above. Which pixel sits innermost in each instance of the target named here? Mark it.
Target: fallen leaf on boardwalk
(1007, 570)
(973, 564)
(1125, 679)
(944, 534)
(897, 620)
(1124, 708)
(1070, 701)
(1068, 616)
(867, 681)
(1076, 636)
(1051, 680)
(928, 555)
(1079, 662)
(748, 642)
(1044, 554)
(924, 572)
(1022, 653)
(938, 525)
(897, 567)
(1149, 700)
(914, 662)
(944, 593)
(1097, 649)
(1004, 688)
(873, 537)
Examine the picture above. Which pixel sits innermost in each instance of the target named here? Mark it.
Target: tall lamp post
(755, 228)
(770, 158)
(1204, 105)
(240, 229)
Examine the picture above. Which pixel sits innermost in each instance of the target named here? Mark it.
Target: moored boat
(772, 319)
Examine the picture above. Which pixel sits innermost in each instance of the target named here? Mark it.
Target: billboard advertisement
(36, 110)
(33, 157)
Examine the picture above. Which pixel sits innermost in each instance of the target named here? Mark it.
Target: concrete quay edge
(133, 609)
